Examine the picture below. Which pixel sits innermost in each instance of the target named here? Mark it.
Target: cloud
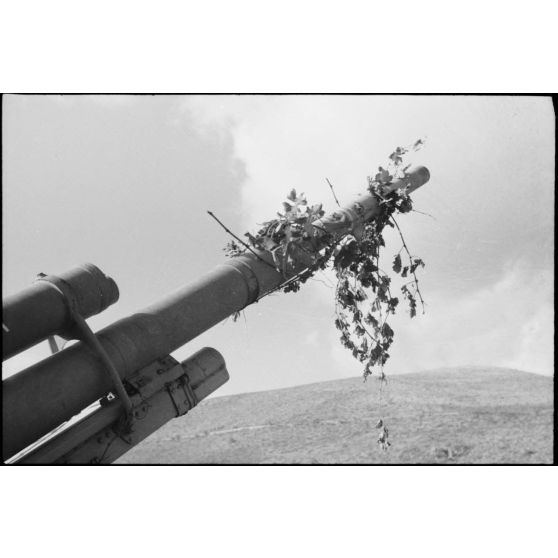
(508, 323)
(491, 196)
(491, 159)
(535, 350)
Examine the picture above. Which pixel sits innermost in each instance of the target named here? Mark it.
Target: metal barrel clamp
(176, 390)
(79, 329)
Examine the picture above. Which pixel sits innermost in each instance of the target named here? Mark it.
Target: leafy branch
(363, 298)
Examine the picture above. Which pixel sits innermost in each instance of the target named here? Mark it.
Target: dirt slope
(458, 415)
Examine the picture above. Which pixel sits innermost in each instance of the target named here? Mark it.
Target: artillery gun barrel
(43, 396)
(40, 310)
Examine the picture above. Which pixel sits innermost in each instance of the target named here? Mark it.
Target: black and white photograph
(278, 279)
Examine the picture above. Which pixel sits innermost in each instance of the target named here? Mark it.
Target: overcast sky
(125, 182)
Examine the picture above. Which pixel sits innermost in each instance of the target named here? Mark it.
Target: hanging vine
(364, 301)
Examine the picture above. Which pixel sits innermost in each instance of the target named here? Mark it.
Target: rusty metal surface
(45, 395)
(41, 310)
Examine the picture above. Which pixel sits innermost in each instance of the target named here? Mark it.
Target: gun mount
(51, 392)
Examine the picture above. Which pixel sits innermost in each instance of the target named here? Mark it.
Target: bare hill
(458, 415)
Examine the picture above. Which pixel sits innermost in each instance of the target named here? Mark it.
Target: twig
(333, 192)
(423, 213)
(314, 267)
(321, 281)
(410, 261)
(247, 246)
(320, 228)
(283, 284)
(327, 281)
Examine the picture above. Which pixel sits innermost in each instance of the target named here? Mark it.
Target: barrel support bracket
(83, 332)
(182, 395)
